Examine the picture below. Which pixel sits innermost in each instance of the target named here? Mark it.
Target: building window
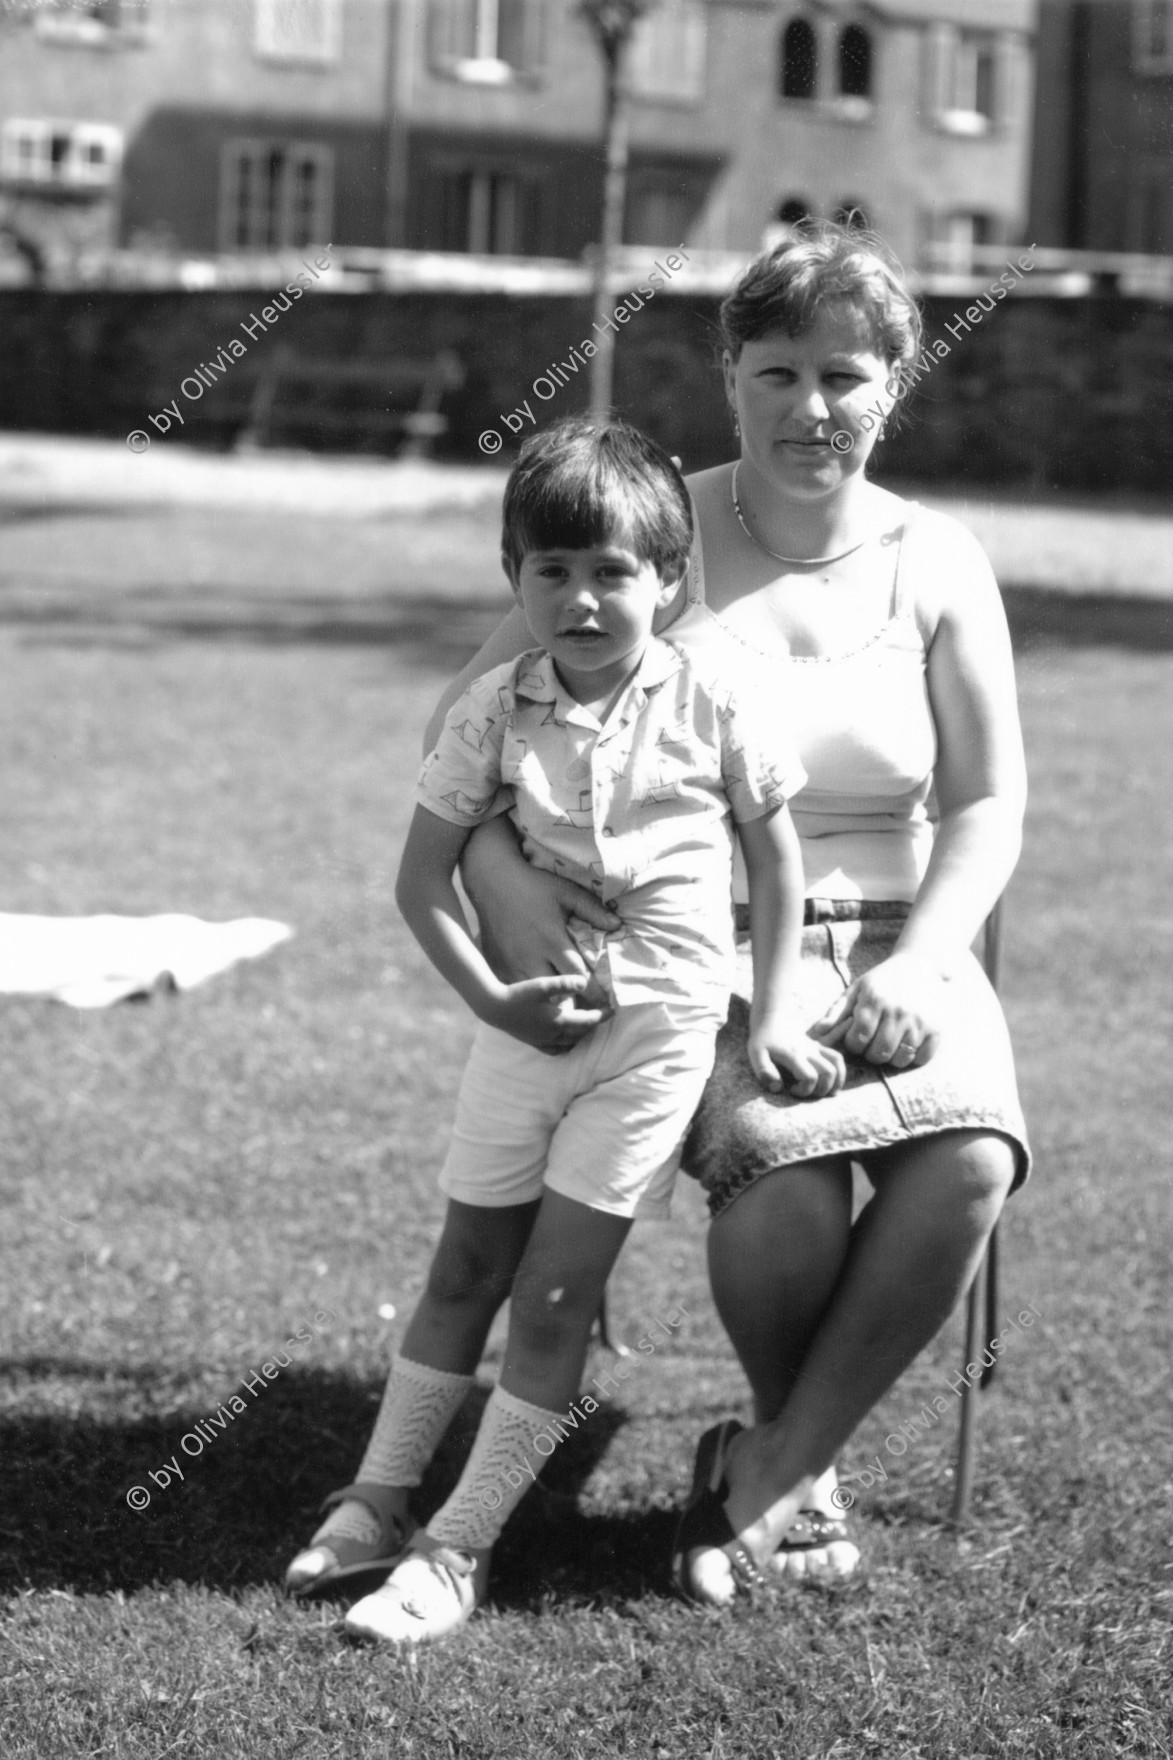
(487, 212)
(954, 238)
(973, 76)
(1152, 36)
(487, 42)
(794, 210)
(667, 55)
(97, 22)
(68, 155)
(799, 60)
(298, 30)
(851, 213)
(275, 195)
(962, 81)
(855, 62)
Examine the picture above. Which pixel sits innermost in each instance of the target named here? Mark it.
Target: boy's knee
(467, 1271)
(550, 1313)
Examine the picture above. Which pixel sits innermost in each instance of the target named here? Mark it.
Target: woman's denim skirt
(742, 1132)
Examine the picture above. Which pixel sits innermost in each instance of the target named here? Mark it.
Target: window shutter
(444, 43)
(1009, 82)
(521, 34)
(937, 67)
(668, 47)
(298, 29)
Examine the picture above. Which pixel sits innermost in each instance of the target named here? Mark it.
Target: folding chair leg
(991, 1306)
(605, 1339)
(967, 1434)
(982, 1302)
(601, 1324)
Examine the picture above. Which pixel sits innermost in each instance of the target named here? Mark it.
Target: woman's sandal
(815, 1533)
(343, 1560)
(705, 1525)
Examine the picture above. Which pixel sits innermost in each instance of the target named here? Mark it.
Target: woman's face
(810, 407)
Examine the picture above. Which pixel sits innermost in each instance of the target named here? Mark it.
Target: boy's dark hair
(581, 482)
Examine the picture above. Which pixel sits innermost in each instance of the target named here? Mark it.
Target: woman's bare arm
(980, 773)
(980, 781)
(541, 1012)
(521, 911)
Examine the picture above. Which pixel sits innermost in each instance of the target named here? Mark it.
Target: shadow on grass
(442, 625)
(1043, 619)
(249, 1500)
(444, 630)
(19, 513)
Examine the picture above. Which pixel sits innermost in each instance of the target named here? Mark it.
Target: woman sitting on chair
(891, 646)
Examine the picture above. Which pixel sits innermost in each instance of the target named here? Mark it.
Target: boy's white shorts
(602, 1123)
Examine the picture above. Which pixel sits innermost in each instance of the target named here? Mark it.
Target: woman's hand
(780, 1048)
(892, 1015)
(523, 914)
(545, 1012)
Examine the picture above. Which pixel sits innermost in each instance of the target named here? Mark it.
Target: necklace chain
(800, 561)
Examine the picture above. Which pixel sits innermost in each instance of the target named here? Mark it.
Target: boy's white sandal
(433, 1591)
(326, 1563)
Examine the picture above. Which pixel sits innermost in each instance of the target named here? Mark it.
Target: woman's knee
(973, 1169)
(985, 1168)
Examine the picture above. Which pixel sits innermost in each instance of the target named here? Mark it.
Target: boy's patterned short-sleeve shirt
(636, 810)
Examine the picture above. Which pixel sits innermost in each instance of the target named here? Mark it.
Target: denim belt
(835, 910)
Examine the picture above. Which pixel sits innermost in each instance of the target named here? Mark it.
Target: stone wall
(1044, 391)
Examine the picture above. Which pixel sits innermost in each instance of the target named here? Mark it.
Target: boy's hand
(545, 1013)
(781, 1055)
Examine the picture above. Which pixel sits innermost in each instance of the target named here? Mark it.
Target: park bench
(370, 397)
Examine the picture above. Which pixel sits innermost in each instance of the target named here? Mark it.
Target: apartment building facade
(1102, 171)
(204, 126)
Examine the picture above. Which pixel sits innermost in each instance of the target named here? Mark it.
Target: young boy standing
(621, 761)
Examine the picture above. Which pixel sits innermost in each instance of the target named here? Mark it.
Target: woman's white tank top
(864, 729)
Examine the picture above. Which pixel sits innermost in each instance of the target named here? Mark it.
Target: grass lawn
(220, 714)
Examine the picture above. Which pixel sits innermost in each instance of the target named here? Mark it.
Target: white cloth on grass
(92, 961)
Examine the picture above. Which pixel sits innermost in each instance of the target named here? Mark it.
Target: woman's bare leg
(775, 1256)
(912, 1255)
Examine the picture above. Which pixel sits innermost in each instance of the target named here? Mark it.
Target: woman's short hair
(786, 287)
(584, 482)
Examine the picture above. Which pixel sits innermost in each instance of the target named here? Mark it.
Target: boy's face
(592, 610)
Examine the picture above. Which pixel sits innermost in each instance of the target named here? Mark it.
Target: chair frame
(982, 1302)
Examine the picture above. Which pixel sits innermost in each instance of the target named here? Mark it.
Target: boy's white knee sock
(418, 1405)
(501, 1468)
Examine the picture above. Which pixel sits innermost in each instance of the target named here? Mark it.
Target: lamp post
(612, 22)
